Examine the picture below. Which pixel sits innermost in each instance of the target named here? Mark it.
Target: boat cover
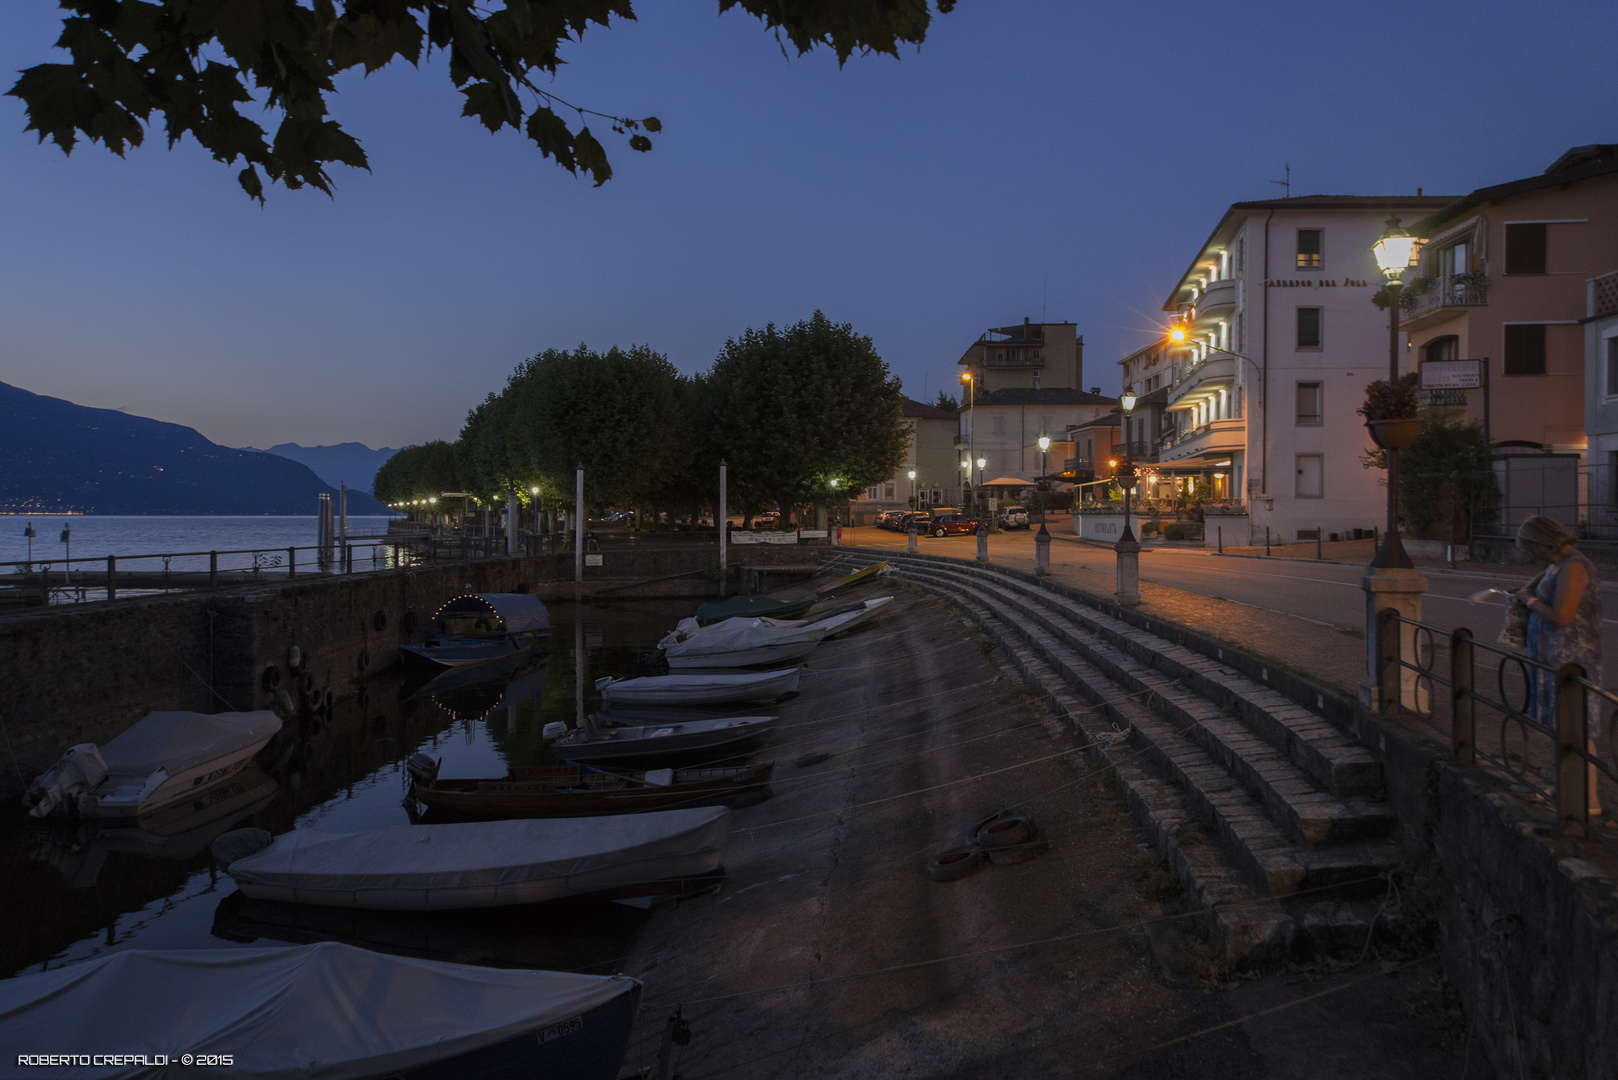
(177, 741)
(311, 1012)
(522, 613)
(479, 855)
(742, 635)
(751, 607)
(697, 689)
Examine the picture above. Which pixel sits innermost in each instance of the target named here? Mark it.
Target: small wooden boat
(854, 578)
(710, 739)
(165, 758)
(751, 607)
(717, 689)
(325, 1010)
(577, 791)
(478, 864)
(475, 628)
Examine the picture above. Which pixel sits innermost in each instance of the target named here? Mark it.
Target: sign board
(592, 560)
(1451, 374)
(812, 534)
(739, 537)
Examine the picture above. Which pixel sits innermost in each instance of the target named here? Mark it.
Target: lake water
(99, 536)
(80, 892)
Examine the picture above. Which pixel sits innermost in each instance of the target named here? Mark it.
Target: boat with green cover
(751, 607)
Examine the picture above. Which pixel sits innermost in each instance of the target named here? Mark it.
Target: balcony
(1441, 399)
(1217, 301)
(1603, 298)
(1203, 381)
(1216, 437)
(1440, 300)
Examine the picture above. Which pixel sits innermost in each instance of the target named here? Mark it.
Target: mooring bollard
(1042, 551)
(1221, 539)
(1266, 540)
(112, 577)
(983, 543)
(292, 562)
(1318, 535)
(213, 569)
(912, 532)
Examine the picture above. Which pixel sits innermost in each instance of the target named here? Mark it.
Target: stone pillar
(1042, 551)
(1399, 588)
(1128, 572)
(912, 533)
(983, 543)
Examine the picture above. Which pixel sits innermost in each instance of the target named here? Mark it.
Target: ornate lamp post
(971, 426)
(1392, 581)
(1126, 467)
(1042, 540)
(912, 489)
(1127, 547)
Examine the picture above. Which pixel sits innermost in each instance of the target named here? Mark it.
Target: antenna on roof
(1285, 185)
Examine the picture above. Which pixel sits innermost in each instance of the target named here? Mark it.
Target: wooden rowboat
(576, 791)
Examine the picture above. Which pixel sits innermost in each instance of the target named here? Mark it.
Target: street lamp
(912, 489)
(1127, 469)
(1044, 471)
(1393, 250)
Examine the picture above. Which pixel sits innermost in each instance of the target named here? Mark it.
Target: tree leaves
(130, 59)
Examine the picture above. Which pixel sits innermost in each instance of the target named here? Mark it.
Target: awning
(1007, 481)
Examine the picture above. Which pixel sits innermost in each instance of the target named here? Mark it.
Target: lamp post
(1391, 581)
(1127, 547)
(912, 489)
(1044, 471)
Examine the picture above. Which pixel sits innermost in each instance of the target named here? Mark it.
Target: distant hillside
(351, 463)
(58, 457)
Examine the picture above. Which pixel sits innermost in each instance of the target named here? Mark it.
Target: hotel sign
(1451, 375)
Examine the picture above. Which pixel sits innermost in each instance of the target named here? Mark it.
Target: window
(1241, 255)
(1452, 260)
(1309, 328)
(1444, 348)
(1309, 476)
(1309, 404)
(891, 493)
(1309, 249)
(1525, 248)
(1525, 348)
(1612, 369)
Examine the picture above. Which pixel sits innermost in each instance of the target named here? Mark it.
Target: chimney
(1025, 320)
(1096, 390)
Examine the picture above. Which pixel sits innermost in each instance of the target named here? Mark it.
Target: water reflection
(83, 889)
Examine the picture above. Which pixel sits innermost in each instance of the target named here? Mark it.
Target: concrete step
(1287, 794)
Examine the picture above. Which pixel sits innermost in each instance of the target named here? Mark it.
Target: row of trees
(802, 415)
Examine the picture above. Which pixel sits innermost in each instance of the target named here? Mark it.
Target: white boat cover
(522, 613)
(177, 741)
(700, 689)
(310, 1012)
(687, 630)
(484, 863)
(742, 635)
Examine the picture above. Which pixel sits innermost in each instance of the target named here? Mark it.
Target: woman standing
(1564, 622)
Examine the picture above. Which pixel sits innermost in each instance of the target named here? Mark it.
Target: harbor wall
(86, 672)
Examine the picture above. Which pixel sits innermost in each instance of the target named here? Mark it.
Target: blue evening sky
(1035, 156)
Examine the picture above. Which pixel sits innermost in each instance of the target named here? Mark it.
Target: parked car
(1013, 517)
(902, 523)
(952, 525)
(886, 518)
(767, 520)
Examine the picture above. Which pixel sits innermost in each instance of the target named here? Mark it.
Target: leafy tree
(418, 472)
(1445, 473)
(193, 62)
(489, 454)
(793, 410)
(946, 400)
(623, 414)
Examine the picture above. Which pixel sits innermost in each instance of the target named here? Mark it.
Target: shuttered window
(1612, 369)
(1308, 249)
(1309, 328)
(1525, 349)
(1525, 248)
(1309, 404)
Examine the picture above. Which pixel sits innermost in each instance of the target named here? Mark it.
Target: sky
(1035, 158)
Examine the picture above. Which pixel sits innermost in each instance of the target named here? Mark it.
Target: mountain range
(58, 457)
(351, 463)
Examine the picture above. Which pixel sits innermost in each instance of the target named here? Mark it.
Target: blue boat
(475, 628)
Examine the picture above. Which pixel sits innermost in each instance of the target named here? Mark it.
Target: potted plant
(1391, 412)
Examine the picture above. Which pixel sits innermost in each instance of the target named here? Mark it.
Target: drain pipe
(1264, 373)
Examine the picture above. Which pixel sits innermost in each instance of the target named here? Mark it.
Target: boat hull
(460, 653)
(121, 797)
(698, 690)
(639, 744)
(548, 793)
(760, 656)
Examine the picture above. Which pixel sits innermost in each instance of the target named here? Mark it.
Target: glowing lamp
(1393, 249)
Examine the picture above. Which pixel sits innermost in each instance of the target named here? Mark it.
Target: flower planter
(1394, 434)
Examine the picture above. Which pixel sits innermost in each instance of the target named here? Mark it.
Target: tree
(620, 414)
(193, 62)
(792, 411)
(946, 400)
(489, 454)
(418, 472)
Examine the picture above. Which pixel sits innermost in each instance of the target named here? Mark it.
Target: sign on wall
(1451, 374)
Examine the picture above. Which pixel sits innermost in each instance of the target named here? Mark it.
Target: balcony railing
(1460, 291)
(1603, 294)
(1438, 399)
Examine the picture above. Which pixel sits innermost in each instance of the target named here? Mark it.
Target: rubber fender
(379, 619)
(271, 678)
(954, 864)
(1004, 831)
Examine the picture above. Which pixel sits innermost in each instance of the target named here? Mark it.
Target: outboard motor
(553, 730)
(654, 663)
(78, 773)
(420, 767)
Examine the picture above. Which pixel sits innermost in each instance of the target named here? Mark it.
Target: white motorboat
(166, 757)
(639, 742)
(744, 642)
(325, 1010)
(479, 864)
(717, 689)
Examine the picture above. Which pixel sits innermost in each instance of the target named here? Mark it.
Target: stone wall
(85, 672)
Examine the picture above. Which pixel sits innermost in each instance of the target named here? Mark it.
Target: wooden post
(112, 577)
(292, 562)
(213, 569)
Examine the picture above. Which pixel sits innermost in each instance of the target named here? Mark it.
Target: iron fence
(1498, 721)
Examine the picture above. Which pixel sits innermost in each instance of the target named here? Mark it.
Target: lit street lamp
(1127, 547)
(1044, 471)
(912, 489)
(1393, 249)
(1127, 468)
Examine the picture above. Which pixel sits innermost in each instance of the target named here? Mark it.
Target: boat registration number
(216, 774)
(566, 1027)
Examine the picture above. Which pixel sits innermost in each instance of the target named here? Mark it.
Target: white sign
(1451, 374)
(739, 537)
(592, 560)
(812, 534)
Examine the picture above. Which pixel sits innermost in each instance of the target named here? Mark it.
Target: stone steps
(1243, 793)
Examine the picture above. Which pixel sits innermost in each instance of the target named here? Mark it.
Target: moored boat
(752, 607)
(755, 642)
(475, 628)
(712, 740)
(327, 1011)
(480, 863)
(166, 757)
(716, 689)
(577, 791)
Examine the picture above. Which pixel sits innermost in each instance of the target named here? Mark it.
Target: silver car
(1013, 517)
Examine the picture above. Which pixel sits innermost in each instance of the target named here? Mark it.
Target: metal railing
(1428, 399)
(1603, 295)
(1552, 759)
(1445, 294)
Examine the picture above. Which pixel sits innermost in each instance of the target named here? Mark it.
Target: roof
(1055, 395)
(1304, 202)
(1111, 419)
(520, 613)
(1579, 163)
(917, 410)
